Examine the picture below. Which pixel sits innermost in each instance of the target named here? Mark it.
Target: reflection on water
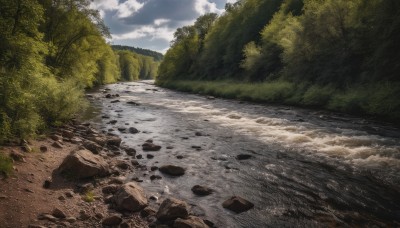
(307, 168)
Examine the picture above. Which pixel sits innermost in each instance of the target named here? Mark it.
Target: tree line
(337, 54)
(50, 51)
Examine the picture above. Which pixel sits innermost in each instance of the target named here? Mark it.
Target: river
(307, 168)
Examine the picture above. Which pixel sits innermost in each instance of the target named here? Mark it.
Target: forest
(341, 55)
(50, 52)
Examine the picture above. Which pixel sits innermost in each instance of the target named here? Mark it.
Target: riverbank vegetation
(50, 51)
(335, 54)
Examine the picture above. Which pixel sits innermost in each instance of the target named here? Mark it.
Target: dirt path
(23, 197)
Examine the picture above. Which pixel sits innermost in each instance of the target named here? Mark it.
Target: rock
(57, 145)
(26, 148)
(171, 209)
(201, 190)
(17, 156)
(43, 149)
(125, 225)
(67, 134)
(114, 101)
(130, 151)
(110, 189)
(108, 96)
(237, 204)
(83, 215)
(234, 116)
(135, 163)
(47, 183)
(155, 198)
(71, 219)
(172, 170)
(147, 211)
(99, 215)
(196, 147)
(170, 147)
(190, 222)
(243, 156)
(69, 194)
(58, 213)
(179, 157)
(139, 156)
(123, 165)
(112, 220)
(117, 180)
(92, 146)
(114, 140)
(133, 130)
(122, 129)
(149, 146)
(105, 116)
(155, 177)
(133, 103)
(113, 121)
(154, 168)
(198, 133)
(48, 217)
(83, 188)
(55, 137)
(149, 141)
(84, 164)
(149, 156)
(130, 197)
(36, 226)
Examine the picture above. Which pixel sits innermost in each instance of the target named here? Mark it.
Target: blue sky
(150, 24)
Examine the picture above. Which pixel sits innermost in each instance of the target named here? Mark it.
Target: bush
(6, 164)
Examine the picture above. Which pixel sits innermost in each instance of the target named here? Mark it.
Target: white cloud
(161, 21)
(128, 8)
(147, 31)
(204, 6)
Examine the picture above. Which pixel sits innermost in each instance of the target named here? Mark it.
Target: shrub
(6, 164)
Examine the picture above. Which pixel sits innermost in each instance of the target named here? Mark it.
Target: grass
(380, 100)
(88, 197)
(6, 165)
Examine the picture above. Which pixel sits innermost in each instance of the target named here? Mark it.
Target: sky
(151, 24)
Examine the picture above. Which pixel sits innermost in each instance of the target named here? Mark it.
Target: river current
(307, 168)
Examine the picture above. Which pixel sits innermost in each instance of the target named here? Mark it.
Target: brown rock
(110, 189)
(237, 204)
(172, 170)
(171, 209)
(92, 146)
(57, 144)
(17, 156)
(67, 134)
(114, 140)
(190, 222)
(58, 213)
(130, 197)
(43, 149)
(201, 190)
(147, 211)
(148, 146)
(84, 164)
(130, 151)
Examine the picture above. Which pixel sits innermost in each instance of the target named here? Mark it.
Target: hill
(156, 55)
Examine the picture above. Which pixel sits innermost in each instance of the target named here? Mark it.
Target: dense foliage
(337, 54)
(146, 52)
(50, 51)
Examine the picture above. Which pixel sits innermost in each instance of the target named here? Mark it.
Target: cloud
(152, 23)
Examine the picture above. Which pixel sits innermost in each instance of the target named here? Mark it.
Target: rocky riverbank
(78, 177)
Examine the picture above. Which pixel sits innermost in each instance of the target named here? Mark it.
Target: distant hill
(156, 55)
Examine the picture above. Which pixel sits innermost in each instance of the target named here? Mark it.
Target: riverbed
(305, 168)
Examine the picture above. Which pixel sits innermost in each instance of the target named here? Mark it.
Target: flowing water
(307, 168)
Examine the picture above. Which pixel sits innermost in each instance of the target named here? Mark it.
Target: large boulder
(171, 209)
(84, 164)
(130, 197)
(191, 222)
(237, 204)
(172, 170)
